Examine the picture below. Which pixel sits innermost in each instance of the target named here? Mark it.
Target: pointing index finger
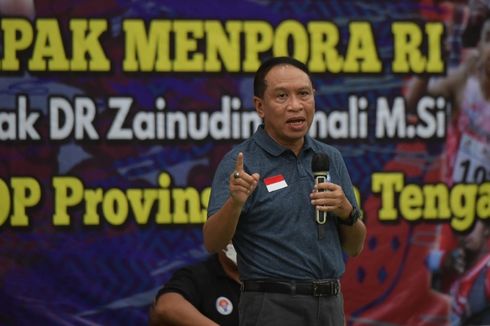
(239, 162)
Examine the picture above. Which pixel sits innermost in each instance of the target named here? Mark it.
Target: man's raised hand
(241, 183)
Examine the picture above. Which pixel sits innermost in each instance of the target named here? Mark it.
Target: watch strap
(354, 215)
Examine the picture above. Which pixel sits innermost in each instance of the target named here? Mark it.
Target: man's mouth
(295, 121)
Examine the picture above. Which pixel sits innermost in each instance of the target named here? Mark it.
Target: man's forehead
(281, 74)
(282, 67)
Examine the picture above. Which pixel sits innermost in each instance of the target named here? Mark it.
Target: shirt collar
(268, 144)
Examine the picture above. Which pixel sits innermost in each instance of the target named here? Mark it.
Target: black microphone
(320, 166)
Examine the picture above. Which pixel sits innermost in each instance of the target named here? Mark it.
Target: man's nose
(295, 103)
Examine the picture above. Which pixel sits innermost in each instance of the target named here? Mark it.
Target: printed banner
(114, 116)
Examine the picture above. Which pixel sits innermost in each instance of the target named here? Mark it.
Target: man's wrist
(354, 215)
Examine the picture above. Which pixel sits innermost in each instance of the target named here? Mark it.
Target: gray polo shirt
(277, 236)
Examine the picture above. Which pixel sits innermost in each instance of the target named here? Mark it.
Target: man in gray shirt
(264, 199)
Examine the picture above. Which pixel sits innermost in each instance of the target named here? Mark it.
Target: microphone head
(320, 163)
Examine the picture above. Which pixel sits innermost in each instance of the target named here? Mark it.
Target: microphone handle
(321, 217)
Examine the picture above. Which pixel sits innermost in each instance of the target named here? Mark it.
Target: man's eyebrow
(295, 88)
(279, 88)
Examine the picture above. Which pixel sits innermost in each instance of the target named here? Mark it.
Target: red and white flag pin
(275, 183)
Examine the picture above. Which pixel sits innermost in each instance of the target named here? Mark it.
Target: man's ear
(259, 106)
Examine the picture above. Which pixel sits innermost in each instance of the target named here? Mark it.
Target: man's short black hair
(266, 66)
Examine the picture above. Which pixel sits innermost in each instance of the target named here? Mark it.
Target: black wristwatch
(353, 217)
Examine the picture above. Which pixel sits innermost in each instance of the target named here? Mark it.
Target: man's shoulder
(247, 147)
(198, 274)
(322, 147)
(244, 146)
(208, 266)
